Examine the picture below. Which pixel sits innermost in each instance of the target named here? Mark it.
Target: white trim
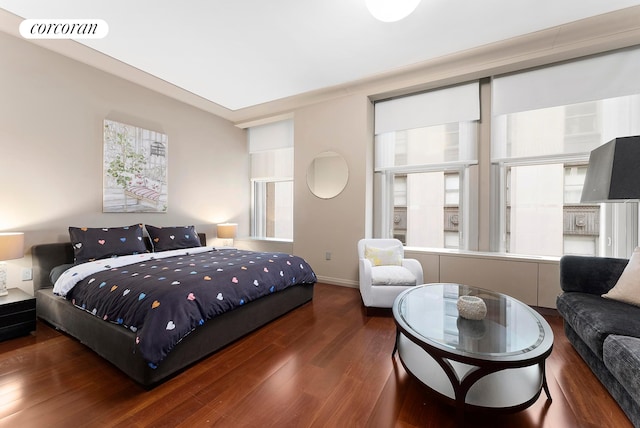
(338, 281)
(543, 160)
(264, 120)
(482, 254)
(431, 167)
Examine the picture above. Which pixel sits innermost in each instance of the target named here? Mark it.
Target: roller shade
(272, 136)
(600, 77)
(272, 164)
(455, 104)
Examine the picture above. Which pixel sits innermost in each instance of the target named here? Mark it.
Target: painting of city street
(135, 169)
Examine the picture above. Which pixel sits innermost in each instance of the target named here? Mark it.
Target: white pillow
(392, 275)
(627, 289)
(389, 256)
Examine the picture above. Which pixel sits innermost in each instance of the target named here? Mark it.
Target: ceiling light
(391, 10)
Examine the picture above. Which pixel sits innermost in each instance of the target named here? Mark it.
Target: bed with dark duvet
(154, 303)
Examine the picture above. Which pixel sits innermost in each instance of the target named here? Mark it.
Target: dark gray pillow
(93, 243)
(173, 238)
(57, 271)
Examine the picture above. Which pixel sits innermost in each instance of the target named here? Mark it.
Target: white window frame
(386, 194)
(258, 208)
(274, 138)
(458, 104)
(618, 221)
(558, 85)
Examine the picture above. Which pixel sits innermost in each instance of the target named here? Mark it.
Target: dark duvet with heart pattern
(163, 300)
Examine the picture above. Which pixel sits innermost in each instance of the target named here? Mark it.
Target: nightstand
(17, 314)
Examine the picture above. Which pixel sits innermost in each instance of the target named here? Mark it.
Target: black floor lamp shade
(614, 171)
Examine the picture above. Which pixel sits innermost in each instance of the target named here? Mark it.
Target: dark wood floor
(325, 364)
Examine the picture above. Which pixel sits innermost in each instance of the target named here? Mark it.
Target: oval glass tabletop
(509, 328)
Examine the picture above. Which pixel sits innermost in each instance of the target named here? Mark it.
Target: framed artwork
(135, 169)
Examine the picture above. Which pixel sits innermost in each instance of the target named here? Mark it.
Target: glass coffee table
(497, 363)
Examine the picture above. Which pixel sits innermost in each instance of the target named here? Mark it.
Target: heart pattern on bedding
(162, 303)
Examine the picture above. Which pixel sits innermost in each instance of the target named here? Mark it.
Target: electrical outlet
(27, 274)
(327, 255)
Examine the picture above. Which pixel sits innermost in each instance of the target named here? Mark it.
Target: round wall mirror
(327, 175)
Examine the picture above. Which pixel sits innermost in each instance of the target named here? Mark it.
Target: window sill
(256, 238)
(482, 254)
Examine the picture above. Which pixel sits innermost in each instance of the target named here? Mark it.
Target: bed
(119, 342)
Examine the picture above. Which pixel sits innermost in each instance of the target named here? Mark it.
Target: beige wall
(343, 125)
(51, 112)
(51, 116)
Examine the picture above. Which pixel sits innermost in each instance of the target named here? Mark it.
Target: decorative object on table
(472, 329)
(472, 307)
(612, 174)
(227, 232)
(135, 169)
(11, 247)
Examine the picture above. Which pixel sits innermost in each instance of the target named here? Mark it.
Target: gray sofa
(605, 332)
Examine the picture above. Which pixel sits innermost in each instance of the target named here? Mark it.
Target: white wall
(51, 117)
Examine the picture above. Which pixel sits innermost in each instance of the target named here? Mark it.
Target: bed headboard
(47, 256)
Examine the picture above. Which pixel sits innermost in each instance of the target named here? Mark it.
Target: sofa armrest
(416, 268)
(594, 275)
(365, 278)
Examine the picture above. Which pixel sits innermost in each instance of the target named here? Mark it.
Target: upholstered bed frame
(117, 344)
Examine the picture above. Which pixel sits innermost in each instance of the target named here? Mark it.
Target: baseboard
(338, 281)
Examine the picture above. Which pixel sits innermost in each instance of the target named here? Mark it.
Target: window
(425, 146)
(545, 123)
(271, 151)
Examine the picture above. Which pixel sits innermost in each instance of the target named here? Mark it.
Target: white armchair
(384, 272)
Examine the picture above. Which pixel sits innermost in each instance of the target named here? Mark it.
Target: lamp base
(3, 279)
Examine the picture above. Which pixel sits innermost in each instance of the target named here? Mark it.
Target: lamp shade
(11, 245)
(613, 173)
(227, 230)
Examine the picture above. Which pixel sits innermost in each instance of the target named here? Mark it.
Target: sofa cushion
(627, 288)
(622, 358)
(392, 275)
(594, 318)
(389, 256)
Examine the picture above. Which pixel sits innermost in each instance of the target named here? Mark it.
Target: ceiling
(243, 53)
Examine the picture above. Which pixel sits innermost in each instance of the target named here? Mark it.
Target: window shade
(455, 104)
(272, 164)
(272, 136)
(604, 76)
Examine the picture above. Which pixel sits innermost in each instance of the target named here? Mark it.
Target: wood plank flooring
(326, 364)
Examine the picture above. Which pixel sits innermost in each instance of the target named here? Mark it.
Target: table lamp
(11, 247)
(613, 171)
(227, 231)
